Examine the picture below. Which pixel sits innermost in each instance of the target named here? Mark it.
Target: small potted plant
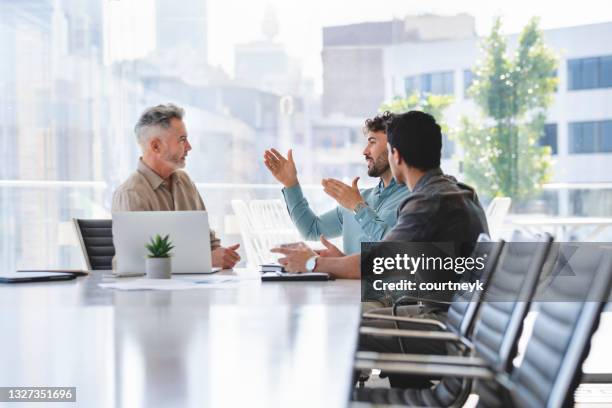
(158, 263)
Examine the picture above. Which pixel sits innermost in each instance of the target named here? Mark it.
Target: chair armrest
(471, 361)
(408, 299)
(442, 370)
(596, 378)
(425, 322)
(416, 334)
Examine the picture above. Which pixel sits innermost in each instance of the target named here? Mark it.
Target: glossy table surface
(274, 344)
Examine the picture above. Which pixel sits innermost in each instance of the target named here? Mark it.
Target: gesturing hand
(295, 259)
(330, 249)
(347, 196)
(282, 169)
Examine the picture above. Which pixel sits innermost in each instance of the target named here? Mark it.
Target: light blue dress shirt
(370, 224)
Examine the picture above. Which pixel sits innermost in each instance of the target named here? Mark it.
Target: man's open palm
(283, 169)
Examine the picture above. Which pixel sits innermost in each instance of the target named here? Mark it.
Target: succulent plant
(159, 247)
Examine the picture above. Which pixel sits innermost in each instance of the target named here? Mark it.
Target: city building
(353, 57)
(182, 26)
(579, 122)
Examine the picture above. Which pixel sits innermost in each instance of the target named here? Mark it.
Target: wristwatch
(311, 263)
(359, 206)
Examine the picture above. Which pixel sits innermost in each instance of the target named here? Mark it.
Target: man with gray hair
(159, 184)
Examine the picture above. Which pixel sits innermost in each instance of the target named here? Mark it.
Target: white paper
(183, 283)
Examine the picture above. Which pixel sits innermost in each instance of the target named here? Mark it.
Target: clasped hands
(295, 256)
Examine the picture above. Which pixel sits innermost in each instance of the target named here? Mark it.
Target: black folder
(295, 277)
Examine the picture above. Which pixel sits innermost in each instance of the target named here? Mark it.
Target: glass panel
(550, 137)
(448, 147)
(605, 72)
(590, 73)
(583, 137)
(589, 137)
(574, 74)
(605, 136)
(426, 83)
(410, 85)
(468, 80)
(449, 83)
(437, 84)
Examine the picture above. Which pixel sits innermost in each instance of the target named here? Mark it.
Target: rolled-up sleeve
(372, 225)
(310, 225)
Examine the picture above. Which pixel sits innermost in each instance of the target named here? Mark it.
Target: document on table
(182, 283)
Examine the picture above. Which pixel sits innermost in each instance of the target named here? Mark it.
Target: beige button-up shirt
(145, 190)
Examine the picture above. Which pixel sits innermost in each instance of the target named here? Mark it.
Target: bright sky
(300, 22)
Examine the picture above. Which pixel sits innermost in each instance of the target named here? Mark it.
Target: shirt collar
(425, 178)
(151, 176)
(381, 185)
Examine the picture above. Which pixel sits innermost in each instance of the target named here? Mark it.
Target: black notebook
(295, 277)
(19, 277)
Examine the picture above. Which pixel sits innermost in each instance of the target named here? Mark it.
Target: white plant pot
(158, 268)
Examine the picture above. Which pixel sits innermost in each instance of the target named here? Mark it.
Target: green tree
(513, 91)
(429, 103)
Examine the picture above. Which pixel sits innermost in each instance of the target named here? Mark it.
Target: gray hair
(156, 116)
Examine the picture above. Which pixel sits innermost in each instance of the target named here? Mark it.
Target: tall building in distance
(265, 64)
(183, 25)
(353, 82)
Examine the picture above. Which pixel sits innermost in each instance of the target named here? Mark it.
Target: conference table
(249, 343)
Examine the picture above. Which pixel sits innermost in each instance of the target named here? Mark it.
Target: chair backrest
(264, 224)
(465, 304)
(506, 300)
(498, 323)
(560, 340)
(496, 213)
(551, 367)
(271, 215)
(246, 232)
(96, 240)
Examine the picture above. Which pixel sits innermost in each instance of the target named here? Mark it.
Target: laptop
(189, 233)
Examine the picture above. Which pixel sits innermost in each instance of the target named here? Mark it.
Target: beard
(379, 166)
(176, 160)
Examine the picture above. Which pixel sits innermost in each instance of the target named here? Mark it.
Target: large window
(438, 83)
(468, 80)
(74, 78)
(589, 73)
(590, 137)
(549, 138)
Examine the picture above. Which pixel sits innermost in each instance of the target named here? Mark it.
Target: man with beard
(362, 215)
(159, 184)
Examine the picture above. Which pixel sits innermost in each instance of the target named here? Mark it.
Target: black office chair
(496, 332)
(464, 305)
(96, 239)
(551, 367)
(462, 310)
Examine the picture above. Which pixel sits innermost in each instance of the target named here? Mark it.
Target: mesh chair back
(465, 304)
(264, 224)
(96, 239)
(559, 343)
(498, 323)
(506, 301)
